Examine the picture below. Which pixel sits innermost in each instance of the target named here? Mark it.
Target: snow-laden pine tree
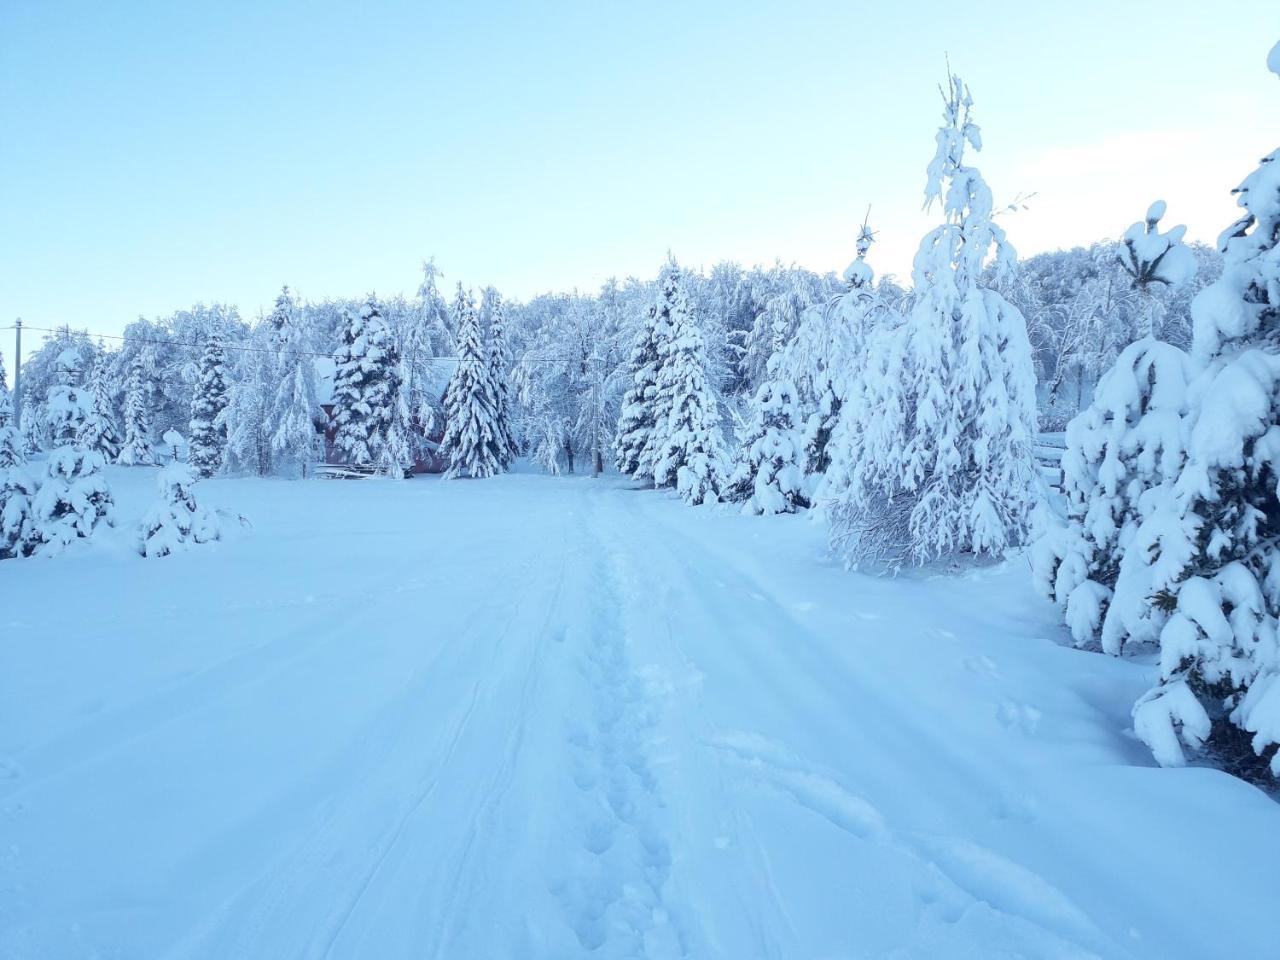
(768, 475)
(207, 428)
(1129, 441)
(499, 372)
(1206, 558)
(176, 520)
(957, 477)
(17, 484)
(472, 441)
(98, 429)
(687, 450)
(65, 409)
(365, 387)
(73, 499)
(671, 306)
(637, 416)
(136, 449)
(296, 404)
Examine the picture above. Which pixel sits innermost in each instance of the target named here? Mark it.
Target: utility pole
(17, 374)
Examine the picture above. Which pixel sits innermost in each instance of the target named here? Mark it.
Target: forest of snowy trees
(905, 416)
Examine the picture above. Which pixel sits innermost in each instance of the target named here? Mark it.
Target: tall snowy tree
(17, 485)
(958, 478)
(472, 440)
(1205, 560)
(137, 420)
(207, 428)
(637, 417)
(1129, 441)
(65, 408)
(768, 476)
(365, 387)
(686, 449)
(296, 404)
(246, 417)
(499, 371)
(98, 429)
(670, 310)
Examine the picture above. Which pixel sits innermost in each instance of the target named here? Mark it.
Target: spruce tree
(672, 305)
(956, 477)
(73, 500)
(17, 484)
(499, 370)
(176, 520)
(98, 430)
(365, 387)
(636, 418)
(207, 429)
(688, 450)
(768, 476)
(472, 441)
(137, 420)
(1205, 561)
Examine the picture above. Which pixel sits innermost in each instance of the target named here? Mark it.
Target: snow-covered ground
(557, 717)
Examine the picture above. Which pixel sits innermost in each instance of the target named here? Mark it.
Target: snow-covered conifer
(1205, 561)
(472, 440)
(17, 484)
(958, 476)
(73, 501)
(768, 476)
(65, 410)
(98, 429)
(499, 371)
(1129, 441)
(246, 418)
(175, 520)
(207, 427)
(365, 385)
(687, 450)
(137, 420)
(636, 419)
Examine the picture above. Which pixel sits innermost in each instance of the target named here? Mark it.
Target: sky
(156, 155)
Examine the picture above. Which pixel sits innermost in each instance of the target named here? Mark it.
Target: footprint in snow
(983, 667)
(1018, 716)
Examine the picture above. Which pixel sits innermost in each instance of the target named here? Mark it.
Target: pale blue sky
(157, 154)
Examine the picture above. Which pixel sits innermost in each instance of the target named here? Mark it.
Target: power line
(243, 348)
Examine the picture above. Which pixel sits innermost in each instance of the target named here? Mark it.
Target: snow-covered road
(556, 717)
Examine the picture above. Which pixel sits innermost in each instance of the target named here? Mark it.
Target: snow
(558, 717)
(1273, 59)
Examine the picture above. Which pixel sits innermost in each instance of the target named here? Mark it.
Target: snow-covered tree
(73, 501)
(98, 429)
(365, 387)
(137, 420)
(247, 417)
(1129, 441)
(1205, 561)
(207, 427)
(17, 485)
(175, 520)
(768, 476)
(65, 409)
(686, 448)
(956, 476)
(638, 415)
(296, 404)
(493, 313)
(472, 440)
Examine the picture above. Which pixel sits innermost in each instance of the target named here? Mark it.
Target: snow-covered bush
(72, 502)
(175, 520)
(768, 476)
(939, 460)
(1130, 441)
